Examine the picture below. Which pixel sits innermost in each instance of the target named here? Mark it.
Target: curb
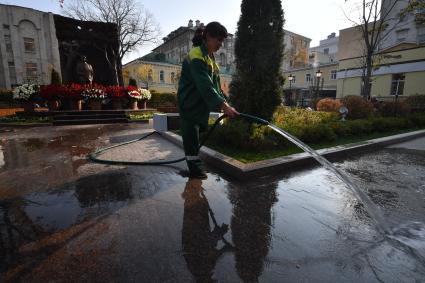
(292, 162)
(29, 125)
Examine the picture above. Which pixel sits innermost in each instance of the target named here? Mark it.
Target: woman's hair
(213, 29)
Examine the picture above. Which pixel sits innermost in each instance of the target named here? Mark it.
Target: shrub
(132, 82)
(317, 133)
(416, 102)
(390, 124)
(56, 79)
(287, 118)
(358, 108)
(163, 99)
(360, 127)
(341, 128)
(417, 119)
(392, 108)
(6, 95)
(328, 105)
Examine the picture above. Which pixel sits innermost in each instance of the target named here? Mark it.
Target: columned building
(29, 47)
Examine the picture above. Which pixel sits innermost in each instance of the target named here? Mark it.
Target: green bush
(163, 99)
(416, 102)
(286, 117)
(317, 134)
(417, 119)
(388, 108)
(360, 127)
(358, 107)
(390, 124)
(6, 95)
(341, 128)
(56, 79)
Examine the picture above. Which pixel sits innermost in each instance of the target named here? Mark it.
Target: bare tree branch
(136, 26)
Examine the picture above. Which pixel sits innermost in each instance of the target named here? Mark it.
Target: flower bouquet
(26, 92)
(93, 92)
(134, 95)
(146, 95)
(117, 94)
(52, 94)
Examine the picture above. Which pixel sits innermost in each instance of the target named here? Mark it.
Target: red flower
(52, 92)
(115, 91)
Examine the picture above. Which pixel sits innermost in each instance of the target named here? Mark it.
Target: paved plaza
(65, 219)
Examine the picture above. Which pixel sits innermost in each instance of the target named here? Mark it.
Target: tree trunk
(367, 77)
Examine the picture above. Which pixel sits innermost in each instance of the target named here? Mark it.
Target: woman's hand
(228, 110)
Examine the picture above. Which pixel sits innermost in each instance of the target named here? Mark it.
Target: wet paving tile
(65, 219)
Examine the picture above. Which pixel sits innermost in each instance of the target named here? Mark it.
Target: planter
(53, 105)
(116, 104)
(142, 104)
(76, 104)
(28, 106)
(95, 104)
(133, 105)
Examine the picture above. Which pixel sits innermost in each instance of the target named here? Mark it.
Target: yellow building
(399, 72)
(399, 69)
(156, 76)
(161, 76)
(304, 83)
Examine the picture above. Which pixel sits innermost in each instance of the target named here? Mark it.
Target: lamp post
(291, 79)
(318, 77)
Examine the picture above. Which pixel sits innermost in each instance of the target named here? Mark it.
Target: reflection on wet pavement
(64, 219)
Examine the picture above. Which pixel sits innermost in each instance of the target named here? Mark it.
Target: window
(31, 72)
(8, 43)
(308, 77)
(223, 59)
(326, 51)
(12, 72)
(29, 44)
(397, 84)
(161, 76)
(333, 75)
(173, 77)
(402, 35)
(150, 77)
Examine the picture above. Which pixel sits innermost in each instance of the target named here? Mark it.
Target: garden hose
(94, 156)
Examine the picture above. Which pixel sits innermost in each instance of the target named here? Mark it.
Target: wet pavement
(65, 219)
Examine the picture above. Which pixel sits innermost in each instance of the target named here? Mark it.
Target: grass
(250, 156)
(141, 116)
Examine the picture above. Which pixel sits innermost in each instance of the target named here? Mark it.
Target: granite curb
(292, 162)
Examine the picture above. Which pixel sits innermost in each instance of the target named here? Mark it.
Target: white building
(326, 52)
(29, 47)
(401, 30)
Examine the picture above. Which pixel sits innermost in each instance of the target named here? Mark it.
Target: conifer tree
(56, 79)
(256, 85)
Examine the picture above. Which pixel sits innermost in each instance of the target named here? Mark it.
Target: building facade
(177, 44)
(29, 47)
(326, 52)
(295, 54)
(399, 63)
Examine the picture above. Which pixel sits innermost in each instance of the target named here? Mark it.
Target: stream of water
(410, 234)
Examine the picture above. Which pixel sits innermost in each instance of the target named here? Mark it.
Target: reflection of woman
(199, 92)
(199, 242)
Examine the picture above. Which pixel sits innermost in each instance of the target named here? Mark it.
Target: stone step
(89, 112)
(89, 121)
(88, 116)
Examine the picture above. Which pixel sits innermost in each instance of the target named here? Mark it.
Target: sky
(310, 18)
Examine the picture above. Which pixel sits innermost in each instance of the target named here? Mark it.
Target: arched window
(150, 77)
(173, 77)
(161, 76)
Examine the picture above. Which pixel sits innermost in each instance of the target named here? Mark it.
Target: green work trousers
(190, 134)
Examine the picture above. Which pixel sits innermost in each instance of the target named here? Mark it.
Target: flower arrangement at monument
(72, 91)
(52, 92)
(145, 93)
(133, 92)
(93, 92)
(26, 92)
(116, 92)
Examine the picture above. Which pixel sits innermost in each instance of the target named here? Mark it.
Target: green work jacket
(199, 90)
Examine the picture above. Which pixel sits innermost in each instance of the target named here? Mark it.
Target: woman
(199, 92)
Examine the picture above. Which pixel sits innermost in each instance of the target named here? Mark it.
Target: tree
(56, 79)
(418, 8)
(376, 22)
(144, 74)
(136, 26)
(255, 87)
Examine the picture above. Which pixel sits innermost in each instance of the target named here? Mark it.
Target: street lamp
(291, 79)
(318, 77)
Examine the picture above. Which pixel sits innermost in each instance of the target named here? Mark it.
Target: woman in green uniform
(199, 92)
